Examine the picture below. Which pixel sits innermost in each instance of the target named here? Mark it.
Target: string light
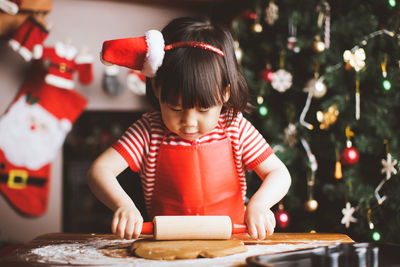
(392, 3)
(376, 236)
(263, 110)
(387, 85)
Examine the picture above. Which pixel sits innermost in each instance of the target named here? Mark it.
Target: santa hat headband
(145, 53)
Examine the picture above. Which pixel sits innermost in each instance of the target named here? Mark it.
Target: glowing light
(387, 85)
(376, 236)
(352, 155)
(392, 3)
(260, 100)
(263, 110)
(283, 217)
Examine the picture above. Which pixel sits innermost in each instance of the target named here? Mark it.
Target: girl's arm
(102, 180)
(276, 182)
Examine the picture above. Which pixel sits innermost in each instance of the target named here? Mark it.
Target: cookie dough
(185, 249)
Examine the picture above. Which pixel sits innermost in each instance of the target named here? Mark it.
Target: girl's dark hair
(199, 77)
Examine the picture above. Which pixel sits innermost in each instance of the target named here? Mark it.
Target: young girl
(192, 152)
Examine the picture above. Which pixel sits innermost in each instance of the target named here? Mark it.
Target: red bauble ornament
(266, 75)
(282, 218)
(349, 156)
(249, 14)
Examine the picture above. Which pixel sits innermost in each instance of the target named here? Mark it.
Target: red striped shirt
(139, 146)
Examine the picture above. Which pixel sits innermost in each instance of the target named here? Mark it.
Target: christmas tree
(324, 78)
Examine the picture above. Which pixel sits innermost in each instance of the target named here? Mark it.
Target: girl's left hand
(260, 221)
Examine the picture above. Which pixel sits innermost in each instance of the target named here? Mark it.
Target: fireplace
(92, 133)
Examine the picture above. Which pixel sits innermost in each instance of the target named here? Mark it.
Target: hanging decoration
(110, 82)
(271, 13)
(290, 135)
(281, 217)
(348, 212)
(136, 82)
(338, 167)
(238, 52)
(257, 27)
(315, 88)
(328, 118)
(386, 84)
(311, 204)
(282, 79)
(388, 169)
(323, 9)
(349, 155)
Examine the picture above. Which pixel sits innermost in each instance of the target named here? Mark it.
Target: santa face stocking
(31, 133)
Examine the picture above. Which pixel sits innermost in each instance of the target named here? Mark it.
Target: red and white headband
(145, 53)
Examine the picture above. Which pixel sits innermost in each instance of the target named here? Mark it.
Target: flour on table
(97, 251)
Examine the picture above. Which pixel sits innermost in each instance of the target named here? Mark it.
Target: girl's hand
(260, 221)
(127, 222)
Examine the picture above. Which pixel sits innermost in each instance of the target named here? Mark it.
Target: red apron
(197, 180)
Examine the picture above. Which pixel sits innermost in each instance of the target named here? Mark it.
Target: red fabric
(30, 33)
(197, 180)
(128, 52)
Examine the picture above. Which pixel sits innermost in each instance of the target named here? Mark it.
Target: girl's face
(192, 123)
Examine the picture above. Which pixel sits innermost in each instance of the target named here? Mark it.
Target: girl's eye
(204, 110)
(173, 108)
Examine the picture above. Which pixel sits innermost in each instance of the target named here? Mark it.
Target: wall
(86, 24)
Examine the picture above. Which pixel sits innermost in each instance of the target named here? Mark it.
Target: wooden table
(61, 249)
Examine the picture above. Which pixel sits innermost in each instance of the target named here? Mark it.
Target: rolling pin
(192, 227)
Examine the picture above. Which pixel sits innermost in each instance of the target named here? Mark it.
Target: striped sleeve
(133, 143)
(255, 148)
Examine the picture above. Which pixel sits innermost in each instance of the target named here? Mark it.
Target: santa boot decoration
(28, 36)
(10, 7)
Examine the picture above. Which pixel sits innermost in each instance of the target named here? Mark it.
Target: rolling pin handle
(239, 228)
(147, 228)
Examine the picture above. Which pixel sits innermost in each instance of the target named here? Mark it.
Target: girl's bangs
(192, 77)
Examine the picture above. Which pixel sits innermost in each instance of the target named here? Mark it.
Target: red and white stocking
(32, 131)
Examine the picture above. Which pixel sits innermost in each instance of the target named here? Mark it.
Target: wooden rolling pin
(192, 227)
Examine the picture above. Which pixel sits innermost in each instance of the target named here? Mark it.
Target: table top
(58, 249)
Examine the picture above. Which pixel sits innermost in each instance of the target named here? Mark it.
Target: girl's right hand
(127, 222)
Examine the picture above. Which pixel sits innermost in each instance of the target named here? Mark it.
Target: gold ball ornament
(319, 46)
(311, 205)
(257, 28)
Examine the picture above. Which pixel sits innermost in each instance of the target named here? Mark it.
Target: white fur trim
(65, 50)
(9, 7)
(37, 51)
(14, 44)
(155, 53)
(58, 81)
(84, 58)
(65, 125)
(111, 70)
(25, 53)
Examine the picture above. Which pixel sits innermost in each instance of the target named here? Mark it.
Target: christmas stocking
(110, 82)
(10, 7)
(136, 82)
(32, 131)
(27, 37)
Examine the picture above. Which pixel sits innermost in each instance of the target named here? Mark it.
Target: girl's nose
(189, 118)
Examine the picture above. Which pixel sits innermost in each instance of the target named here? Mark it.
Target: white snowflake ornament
(389, 166)
(348, 215)
(281, 80)
(271, 13)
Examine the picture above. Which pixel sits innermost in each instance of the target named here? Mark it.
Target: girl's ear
(227, 93)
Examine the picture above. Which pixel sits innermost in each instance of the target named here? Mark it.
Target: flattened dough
(185, 249)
